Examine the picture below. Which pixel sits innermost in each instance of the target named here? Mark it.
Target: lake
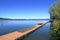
(7, 26)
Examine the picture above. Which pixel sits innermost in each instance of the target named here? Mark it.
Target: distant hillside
(21, 19)
(4, 18)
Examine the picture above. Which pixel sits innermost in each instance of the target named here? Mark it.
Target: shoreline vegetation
(55, 23)
(21, 19)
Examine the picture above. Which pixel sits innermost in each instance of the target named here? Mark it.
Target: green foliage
(55, 24)
(55, 10)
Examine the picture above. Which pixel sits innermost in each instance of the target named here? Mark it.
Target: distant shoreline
(21, 19)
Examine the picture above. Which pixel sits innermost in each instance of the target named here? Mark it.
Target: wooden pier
(20, 34)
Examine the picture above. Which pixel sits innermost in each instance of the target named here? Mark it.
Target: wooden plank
(19, 34)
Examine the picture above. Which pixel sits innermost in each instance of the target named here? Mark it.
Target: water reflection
(7, 26)
(40, 34)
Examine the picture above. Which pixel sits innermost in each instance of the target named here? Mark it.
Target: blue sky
(25, 9)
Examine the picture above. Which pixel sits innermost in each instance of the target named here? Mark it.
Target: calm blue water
(40, 34)
(7, 26)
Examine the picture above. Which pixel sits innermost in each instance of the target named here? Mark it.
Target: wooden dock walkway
(21, 34)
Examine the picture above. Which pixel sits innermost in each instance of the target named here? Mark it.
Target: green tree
(55, 23)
